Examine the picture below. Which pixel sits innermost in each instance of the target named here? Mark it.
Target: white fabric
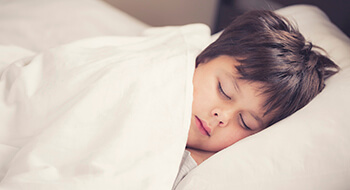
(9, 54)
(306, 151)
(40, 24)
(310, 149)
(103, 113)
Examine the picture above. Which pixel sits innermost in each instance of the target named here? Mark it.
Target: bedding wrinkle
(107, 112)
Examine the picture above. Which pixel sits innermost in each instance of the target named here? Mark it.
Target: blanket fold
(102, 113)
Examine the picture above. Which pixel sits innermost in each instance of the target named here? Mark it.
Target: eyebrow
(235, 84)
(258, 119)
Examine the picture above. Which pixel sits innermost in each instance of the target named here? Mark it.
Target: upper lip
(205, 126)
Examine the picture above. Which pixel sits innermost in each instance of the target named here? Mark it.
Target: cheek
(230, 137)
(203, 97)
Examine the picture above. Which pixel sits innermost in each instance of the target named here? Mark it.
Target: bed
(64, 126)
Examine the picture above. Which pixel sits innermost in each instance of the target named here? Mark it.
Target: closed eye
(244, 124)
(223, 92)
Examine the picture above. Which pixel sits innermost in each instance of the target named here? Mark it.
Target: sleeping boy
(258, 72)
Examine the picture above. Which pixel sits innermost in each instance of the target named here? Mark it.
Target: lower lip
(200, 126)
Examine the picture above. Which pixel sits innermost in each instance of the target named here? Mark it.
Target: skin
(230, 108)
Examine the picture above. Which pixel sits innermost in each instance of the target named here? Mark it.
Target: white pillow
(308, 150)
(40, 24)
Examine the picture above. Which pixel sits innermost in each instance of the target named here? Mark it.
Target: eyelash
(223, 92)
(244, 125)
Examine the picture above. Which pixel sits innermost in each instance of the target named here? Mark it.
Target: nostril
(215, 114)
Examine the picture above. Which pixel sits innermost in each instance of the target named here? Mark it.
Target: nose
(221, 117)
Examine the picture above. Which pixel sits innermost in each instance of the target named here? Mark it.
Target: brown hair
(274, 52)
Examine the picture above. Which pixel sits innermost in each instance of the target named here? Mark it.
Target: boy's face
(225, 109)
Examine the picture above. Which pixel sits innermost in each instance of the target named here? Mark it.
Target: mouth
(202, 126)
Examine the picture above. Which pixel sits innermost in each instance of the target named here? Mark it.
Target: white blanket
(102, 113)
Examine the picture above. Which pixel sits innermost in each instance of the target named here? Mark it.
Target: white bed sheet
(101, 113)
